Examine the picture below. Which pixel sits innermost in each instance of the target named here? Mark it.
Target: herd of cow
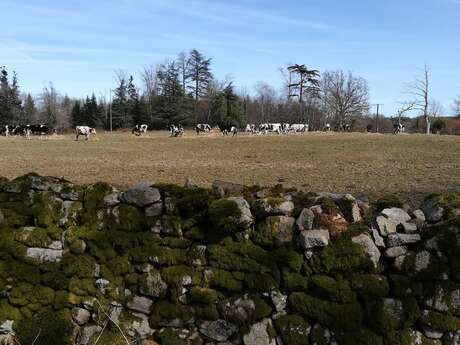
(177, 130)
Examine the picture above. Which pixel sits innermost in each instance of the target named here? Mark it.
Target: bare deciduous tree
(405, 108)
(457, 106)
(50, 105)
(265, 96)
(420, 90)
(344, 96)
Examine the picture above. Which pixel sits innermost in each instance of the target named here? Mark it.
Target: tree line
(185, 91)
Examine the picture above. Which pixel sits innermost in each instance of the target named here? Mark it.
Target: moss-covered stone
(54, 327)
(222, 279)
(64, 299)
(293, 329)
(81, 266)
(224, 214)
(440, 322)
(262, 308)
(164, 310)
(409, 337)
(168, 336)
(295, 282)
(45, 209)
(206, 312)
(82, 287)
(361, 337)
(331, 289)
(370, 286)
(260, 282)
(8, 312)
(390, 314)
(449, 202)
(203, 295)
(345, 317)
(387, 201)
(328, 205)
(288, 259)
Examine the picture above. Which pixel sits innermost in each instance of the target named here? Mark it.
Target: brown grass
(370, 164)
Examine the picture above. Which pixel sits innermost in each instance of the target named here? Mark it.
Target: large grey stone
(422, 261)
(395, 252)
(305, 220)
(279, 300)
(309, 239)
(80, 316)
(385, 226)
(272, 207)
(45, 254)
(87, 333)
(227, 188)
(140, 304)
(246, 219)
(219, 330)
(350, 208)
(240, 310)
(153, 285)
(396, 240)
(410, 227)
(396, 215)
(378, 240)
(432, 210)
(6, 328)
(138, 325)
(259, 334)
(451, 338)
(154, 210)
(369, 247)
(111, 199)
(141, 195)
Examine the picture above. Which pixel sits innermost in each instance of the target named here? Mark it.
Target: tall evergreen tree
(10, 104)
(76, 115)
(120, 106)
(199, 73)
(29, 111)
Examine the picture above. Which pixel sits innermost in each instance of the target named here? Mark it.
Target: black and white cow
(41, 130)
(270, 127)
(327, 127)
(203, 128)
(285, 128)
(398, 128)
(85, 130)
(345, 128)
(176, 131)
(225, 129)
(299, 128)
(140, 129)
(250, 128)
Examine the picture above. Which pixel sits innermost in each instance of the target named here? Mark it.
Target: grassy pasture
(372, 164)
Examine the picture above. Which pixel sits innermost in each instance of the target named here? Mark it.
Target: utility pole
(110, 108)
(377, 117)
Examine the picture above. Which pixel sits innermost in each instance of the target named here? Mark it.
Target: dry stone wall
(162, 264)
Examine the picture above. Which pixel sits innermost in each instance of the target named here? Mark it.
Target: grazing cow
(176, 131)
(250, 128)
(140, 129)
(85, 130)
(203, 128)
(41, 130)
(285, 128)
(7, 130)
(345, 128)
(399, 128)
(224, 129)
(327, 127)
(270, 127)
(299, 128)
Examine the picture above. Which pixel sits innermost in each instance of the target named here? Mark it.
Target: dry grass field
(372, 164)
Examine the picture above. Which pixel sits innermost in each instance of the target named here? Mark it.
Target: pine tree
(29, 111)
(199, 72)
(120, 107)
(76, 115)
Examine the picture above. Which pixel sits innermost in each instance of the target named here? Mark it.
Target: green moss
(173, 275)
(23, 272)
(206, 312)
(408, 337)
(203, 295)
(193, 203)
(440, 322)
(77, 246)
(224, 215)
(120, 266)
(360, 337)
(265, 232)
(328, 205)
(164, 310)
(55, 328)
(81, 266)
(288, 259)
(43, 295)
(94, 196)
(82, 287)
(370, 286)
(221, 279)
(129, 219)
(263, 309)
(342, 257)
(449, 202)
(387, 201)
(21, 294)
(331, 289)
(8, 312)
(169, 337)
(404, 286)
(260, 282)
(345, 317)
(386, 316)
(17, 213)
(293, 329)
(174, 242)
(295, 282)
(65, 299)
(45, 209)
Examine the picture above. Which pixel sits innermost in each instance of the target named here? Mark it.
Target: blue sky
(79, 44)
